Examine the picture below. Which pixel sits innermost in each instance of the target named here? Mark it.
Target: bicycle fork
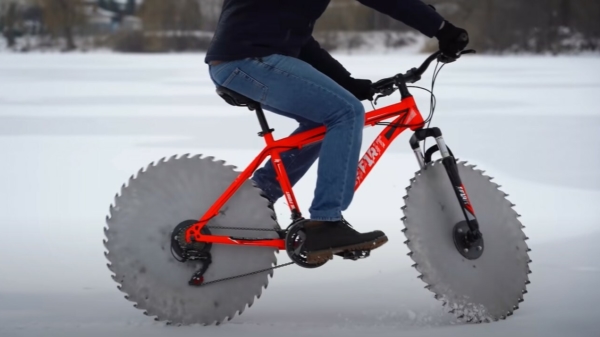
(467, 236)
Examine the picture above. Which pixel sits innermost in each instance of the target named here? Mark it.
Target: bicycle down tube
(407, 116)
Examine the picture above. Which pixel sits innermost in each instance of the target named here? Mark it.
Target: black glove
(361, 89)
(452, 39)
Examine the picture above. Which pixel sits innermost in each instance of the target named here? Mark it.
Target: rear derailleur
(192, 252)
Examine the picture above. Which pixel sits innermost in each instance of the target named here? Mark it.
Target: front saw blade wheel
(139, 239)
(479, 287)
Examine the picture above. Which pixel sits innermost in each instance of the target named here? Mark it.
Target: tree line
(538, 26)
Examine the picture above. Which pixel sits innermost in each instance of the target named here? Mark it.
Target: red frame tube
(407, 116)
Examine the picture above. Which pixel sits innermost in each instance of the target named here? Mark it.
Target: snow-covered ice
(73, 128)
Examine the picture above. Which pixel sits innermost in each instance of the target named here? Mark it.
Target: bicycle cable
(433, 101)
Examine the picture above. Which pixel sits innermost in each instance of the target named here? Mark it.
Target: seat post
(262, 120)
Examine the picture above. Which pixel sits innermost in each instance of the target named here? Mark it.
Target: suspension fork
(449, 163)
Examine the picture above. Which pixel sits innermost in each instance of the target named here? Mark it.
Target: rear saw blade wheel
(485, 289)
(138, 241)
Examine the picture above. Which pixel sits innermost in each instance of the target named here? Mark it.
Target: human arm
(425, 19)
(414, 13)
(313, 54)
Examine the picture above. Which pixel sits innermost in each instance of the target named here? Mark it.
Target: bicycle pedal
(355, 254)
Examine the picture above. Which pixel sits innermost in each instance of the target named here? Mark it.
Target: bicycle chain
(250, 273)
(244, 275)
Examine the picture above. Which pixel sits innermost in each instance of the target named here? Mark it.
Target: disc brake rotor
(138, 241)
(486, 288)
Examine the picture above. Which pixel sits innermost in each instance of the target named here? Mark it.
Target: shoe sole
(321, 256)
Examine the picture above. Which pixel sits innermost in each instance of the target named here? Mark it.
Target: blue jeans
(290, 87)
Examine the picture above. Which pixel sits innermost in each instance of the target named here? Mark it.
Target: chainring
(482, 290)
(138, 239)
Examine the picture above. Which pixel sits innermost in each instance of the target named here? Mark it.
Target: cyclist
(264, 49)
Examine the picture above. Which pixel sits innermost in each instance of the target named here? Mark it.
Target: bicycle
(457, 248)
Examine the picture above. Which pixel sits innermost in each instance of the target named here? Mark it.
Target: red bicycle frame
(407, 116)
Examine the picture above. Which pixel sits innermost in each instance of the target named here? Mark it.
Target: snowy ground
(74, 128)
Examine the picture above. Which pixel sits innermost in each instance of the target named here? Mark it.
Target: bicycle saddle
(235, 99)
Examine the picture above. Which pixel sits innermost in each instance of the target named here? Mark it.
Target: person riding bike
(264, 50)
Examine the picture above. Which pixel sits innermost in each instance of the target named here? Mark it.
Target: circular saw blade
(486, 289)
(139, 235)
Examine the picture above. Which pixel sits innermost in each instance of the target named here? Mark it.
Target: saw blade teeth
(410, 254)
(420, 277)
(404, 230)
(125, 272)
(528, 250)
(185, 156)
(414, 266)
(525, 292)
(428, 287)
(406, 242)
(403, 219)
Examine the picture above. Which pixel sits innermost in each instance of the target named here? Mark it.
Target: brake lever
(387, 91)
(443, 58)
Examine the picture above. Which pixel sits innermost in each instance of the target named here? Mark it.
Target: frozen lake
(73, 128)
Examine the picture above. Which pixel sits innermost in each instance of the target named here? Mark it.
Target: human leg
(296, 162)
(293, 86)
(295, 89)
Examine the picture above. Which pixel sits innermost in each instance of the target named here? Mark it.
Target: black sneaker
(326, 238)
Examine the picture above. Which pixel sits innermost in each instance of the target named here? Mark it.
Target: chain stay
(250, 273)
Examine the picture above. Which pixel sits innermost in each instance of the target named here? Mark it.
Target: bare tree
(8, 22)
(63, 17)
(171, 23)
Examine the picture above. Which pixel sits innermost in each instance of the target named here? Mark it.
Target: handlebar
(386, 85)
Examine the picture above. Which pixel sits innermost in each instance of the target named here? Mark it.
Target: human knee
(350, 109)
(358, 109)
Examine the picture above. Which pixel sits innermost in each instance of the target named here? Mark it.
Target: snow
(73, 128)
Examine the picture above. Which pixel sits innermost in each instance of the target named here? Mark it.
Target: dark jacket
(255, 28)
